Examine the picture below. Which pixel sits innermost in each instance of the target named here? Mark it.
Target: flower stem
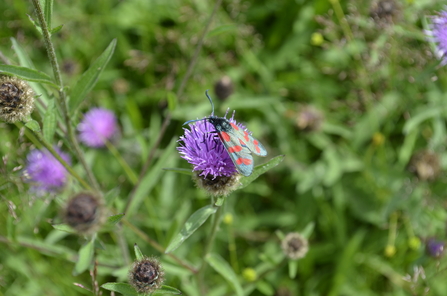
(62, 99)
(40, 141)
(209, 246)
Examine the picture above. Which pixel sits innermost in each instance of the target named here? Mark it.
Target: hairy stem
(62, 99)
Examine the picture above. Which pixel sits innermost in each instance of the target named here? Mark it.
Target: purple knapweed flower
(45, 172)
(437, 33)
(98, 126)
(435, 248)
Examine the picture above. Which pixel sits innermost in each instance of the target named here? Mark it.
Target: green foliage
(353, 121)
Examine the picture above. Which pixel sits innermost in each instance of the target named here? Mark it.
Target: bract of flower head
(437, 33)
(45, 172)
(16, 99)
(295, 246)
(201, 147)
(98, 126)
(146, 275)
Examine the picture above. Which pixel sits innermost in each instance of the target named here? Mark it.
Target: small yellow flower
(378, 139)
(390, 251)
(228, 219)
(316, 39)
(249, 274)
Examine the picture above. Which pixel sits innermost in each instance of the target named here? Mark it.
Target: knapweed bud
(146, 275)
(425, 164)
(16, 99)
(84, 212)
(249, 274)
(217, 185)
(294, 245)
(223, 88)
(309, 119)
(435, 248)
(98, 126)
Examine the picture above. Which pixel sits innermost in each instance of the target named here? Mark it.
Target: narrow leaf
(64, 227)
(178, 170)
(85, 257)
(225, 270)
(122, 288)
(261, 169)
(293, 268)
(191, 225)
(48, 12)
(138, 254)
(90, 77)
(112, 220)
(167, 290)
(56, 29)
(221, 29)
(172, 101)
(26, 74)
(36, 25)
(33, 125)
(49, 122)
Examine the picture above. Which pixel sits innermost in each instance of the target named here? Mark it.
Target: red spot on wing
(241, 160)
(246, 136)
(242, 142)
(235, 148)
(256, 142)
(225, 136)
(257, 149)
(234, 126)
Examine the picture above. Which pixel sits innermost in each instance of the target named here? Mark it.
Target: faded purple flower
(98, 126)
(437, 33)
(45, 172)
(435, 248)
(203, 149)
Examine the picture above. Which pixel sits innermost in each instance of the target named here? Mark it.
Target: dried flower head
(84, 212)
(294, 245)
(425, 164)
(435, 248)
(45, 172)
(201, 147)
(16, 99)
(437, 33)
(223, 88)
(146, 275)
(98, 126)
(309, 119)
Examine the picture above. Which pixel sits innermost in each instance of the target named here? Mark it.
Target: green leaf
(416, 120)
(112, 220)
(138, 253)
(63, 227)
(90, 77)
(122, 288)
(150, 179)
(221, 29)
(261, 169)
(48, 12)
(33, 125)
(36, 25)
(293, 268)
(26, 74)
(56, 29)
(85, 257)
(49, 122)
(191, 225)
(167, 290)
(265, 288)
(225, 270)
(178, 170)
(172, 101)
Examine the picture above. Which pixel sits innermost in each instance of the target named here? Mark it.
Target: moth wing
(248, 141)
(239, 153)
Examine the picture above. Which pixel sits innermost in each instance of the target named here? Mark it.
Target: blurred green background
(349, 92)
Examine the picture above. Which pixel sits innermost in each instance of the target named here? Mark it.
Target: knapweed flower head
(295, 246)
(201, 147)
(426, 165)
(309, 119)
(16, 99)
(435, 248)
(45, 172)
(146, 275)
(84, 212)
(437, 33)
(98, 126)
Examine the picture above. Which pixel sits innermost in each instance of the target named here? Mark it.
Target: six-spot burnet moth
(238, 142)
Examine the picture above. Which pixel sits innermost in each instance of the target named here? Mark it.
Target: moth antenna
(194, 120)
(211, 101)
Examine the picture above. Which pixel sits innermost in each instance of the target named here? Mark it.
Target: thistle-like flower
(295, 246)
(201, 147)
(45, 172)
(437, 33)
(16, 99)
(146, 275)
(435, 248)
(98, 126)
(84, 212)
